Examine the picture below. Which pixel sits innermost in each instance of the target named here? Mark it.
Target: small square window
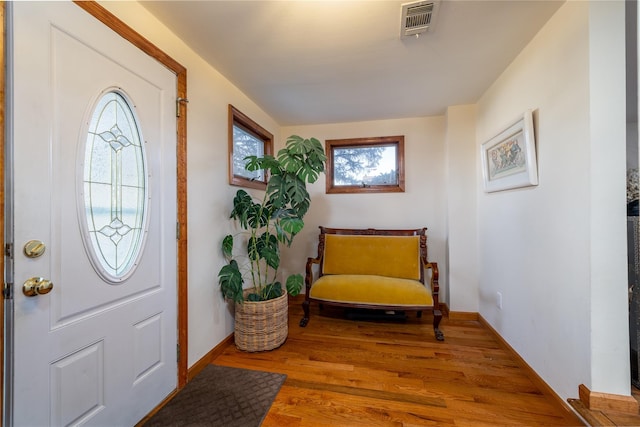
(247, 138)
(365, 165)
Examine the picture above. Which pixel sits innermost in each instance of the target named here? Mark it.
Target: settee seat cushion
(372, 290)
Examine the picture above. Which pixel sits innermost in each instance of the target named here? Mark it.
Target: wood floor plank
(345, 409)
(608, 418)
(344, 372)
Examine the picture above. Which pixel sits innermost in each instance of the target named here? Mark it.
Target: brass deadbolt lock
(34, 248)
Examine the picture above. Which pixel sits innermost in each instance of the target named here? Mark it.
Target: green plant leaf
(290, 226)
(271, 257)
(271, 291)
(290, 162)
(294, 188)
(295, 143)
(289, 189)
(254, 297)
(263, 214)
(316, 146)
(299, 165)
(309, 173)
(302, 207)
(253, 163)
(227, 245)
(231, 281)
(267, 162)
(283, 235)
(269, 250)
(276, 189)
(242, 204)
(248, 213)
(294, 284)
(297, 195)
(265, 247)
(299, 145)
(252, 248)
(303, 157)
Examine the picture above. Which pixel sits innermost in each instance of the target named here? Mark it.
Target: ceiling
(311, 62)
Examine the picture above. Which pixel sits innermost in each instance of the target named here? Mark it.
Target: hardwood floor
(608, 418)
(363, 373)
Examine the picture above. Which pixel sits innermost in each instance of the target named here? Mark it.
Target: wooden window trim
(236, 117)
(331, 144)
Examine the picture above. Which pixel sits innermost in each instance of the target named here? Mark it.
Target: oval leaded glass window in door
(114, 188)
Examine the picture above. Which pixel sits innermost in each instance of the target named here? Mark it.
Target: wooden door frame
(111, 21)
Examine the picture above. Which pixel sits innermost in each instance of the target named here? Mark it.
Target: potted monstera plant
(253, 254)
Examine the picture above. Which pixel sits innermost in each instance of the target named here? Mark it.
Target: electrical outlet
(499, 300)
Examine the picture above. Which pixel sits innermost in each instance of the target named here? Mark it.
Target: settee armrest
(435, 290)
(308, 281)
(435, 286)
(308, 278)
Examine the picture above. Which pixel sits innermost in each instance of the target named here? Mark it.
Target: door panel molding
(129, 34)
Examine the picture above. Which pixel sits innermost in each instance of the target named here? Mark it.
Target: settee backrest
(390, 256)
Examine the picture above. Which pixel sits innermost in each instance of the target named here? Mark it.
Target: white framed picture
(509, 158)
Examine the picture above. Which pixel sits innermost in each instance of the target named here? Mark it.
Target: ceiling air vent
(417, 18)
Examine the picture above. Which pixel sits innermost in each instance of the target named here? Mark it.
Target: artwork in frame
(509, 158)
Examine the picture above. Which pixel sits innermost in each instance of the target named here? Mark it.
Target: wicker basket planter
(262, 325)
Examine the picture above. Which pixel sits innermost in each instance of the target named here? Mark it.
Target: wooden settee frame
(435, 287)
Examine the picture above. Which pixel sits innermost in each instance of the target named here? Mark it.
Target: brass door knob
(37, 286)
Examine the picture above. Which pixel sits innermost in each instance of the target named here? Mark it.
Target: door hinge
(177, 230)
(8, 250)
(7, 291)
(178, 102)
(178, 352)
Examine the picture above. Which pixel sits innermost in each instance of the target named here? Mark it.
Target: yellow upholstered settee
(373, 269)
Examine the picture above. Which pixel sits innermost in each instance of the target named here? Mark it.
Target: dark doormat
(221, 396)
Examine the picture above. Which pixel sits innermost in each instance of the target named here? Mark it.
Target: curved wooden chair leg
(437, 317)
(305, 319)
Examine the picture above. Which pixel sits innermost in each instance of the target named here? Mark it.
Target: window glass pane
(245, 144)
(115, 188)
(365, 166)
(247, 138)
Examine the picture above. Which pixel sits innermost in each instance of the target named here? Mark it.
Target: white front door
(94, 185)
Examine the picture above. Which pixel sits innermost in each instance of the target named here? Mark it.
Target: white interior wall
(421, 205)
(631, 43)
(209, 195)
(609, 280)
(537, 245)
(461, 183)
